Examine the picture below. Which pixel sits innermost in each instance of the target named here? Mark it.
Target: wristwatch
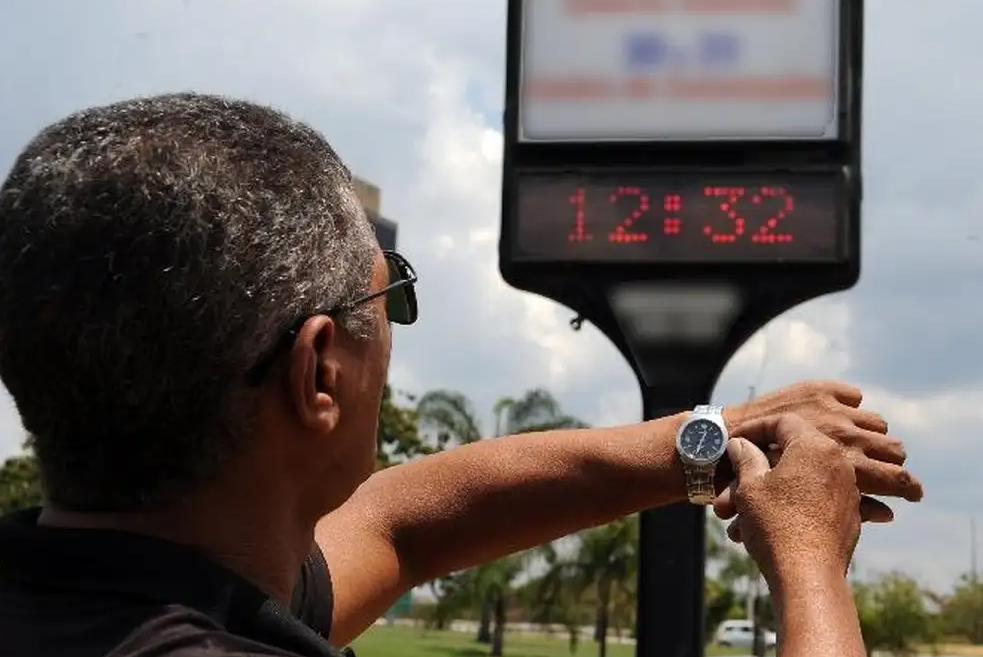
(701, 443)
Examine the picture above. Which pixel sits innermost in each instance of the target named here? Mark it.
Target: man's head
(151, 252)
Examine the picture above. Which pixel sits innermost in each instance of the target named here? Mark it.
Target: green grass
(382, 641)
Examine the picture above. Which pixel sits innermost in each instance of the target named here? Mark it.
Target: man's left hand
(833, 408)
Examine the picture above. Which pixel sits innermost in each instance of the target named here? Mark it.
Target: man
(193, 325)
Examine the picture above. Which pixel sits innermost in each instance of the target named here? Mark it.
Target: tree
(893, 615)
(453, 592)
(494, 586)
(537, 410)
(490, 587)
(608, 561)
(450, 418)
(20, 481)
(399, 432)
(962, 611)
(624, 607)
(551, 600)
(605, 563)
(719, 605)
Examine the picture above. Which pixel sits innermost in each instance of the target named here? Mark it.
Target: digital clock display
(680, 218)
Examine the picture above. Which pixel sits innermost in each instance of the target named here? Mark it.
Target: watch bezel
(710, 460)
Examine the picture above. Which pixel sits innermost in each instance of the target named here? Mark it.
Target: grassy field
(381, 641)
(954, 650)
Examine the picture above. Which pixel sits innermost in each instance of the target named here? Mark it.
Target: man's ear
(314, 374)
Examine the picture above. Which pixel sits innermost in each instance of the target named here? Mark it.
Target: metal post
(671, 570)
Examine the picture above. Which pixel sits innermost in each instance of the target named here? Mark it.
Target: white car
(740, 634)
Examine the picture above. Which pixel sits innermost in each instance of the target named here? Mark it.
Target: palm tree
(606, 563)
(552, 601)
(609, 557)
(451, 418)
(453, 592)
(494, 586)
(624, 607)
(537, 410)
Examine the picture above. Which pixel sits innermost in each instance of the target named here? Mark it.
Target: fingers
(869, 433)
(845, 393)
(873, 510)
(777, 430)
(867, 420)
(734, 531)
(781, 430)
(878, 446)
(748, 461)
(880, 478)
(723, 505)
(877, 459)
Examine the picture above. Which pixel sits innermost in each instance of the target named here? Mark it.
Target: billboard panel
(708, 70)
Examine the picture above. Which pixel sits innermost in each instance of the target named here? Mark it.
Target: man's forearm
(817, 616)
(481, 501)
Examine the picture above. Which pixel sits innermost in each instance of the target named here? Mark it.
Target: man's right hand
(802, 513)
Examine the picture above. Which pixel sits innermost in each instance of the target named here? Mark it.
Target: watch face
(702, 440)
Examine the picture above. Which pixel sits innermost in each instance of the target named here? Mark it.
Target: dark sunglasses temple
(403, 285)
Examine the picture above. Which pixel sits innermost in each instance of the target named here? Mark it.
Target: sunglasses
(401, 308)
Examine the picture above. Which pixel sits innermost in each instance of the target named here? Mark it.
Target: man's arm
(414, 522)
(800, 522)
(816, 616)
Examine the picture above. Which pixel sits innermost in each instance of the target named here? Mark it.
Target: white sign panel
(613, 70)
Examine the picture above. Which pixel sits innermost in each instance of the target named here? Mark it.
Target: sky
(410, 95)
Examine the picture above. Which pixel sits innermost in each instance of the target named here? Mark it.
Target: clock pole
(679, 203)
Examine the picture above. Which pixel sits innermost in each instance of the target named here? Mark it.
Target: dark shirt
(97, 593)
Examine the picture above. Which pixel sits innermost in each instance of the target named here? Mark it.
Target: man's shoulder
(89, 628)
(98, 593)
(182, 632)
(176, 631)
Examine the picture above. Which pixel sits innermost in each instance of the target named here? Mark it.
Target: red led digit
(783, 204)
(579, 232)
(623, 233)
(673, 205)
(728, 199)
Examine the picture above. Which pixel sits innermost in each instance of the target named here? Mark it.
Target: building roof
(371, 198)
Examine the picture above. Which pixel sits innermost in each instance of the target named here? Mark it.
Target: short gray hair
(150, 251)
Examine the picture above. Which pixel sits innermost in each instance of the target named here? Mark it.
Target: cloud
(409, 94)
